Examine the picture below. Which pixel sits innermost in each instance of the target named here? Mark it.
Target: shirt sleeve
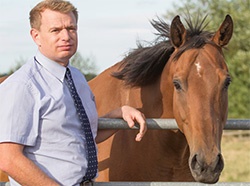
(18, 118)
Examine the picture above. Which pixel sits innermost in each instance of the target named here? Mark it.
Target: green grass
(236, 153)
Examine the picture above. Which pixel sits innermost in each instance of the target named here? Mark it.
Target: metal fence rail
(107, 123)
(168, 184)
(155, 184)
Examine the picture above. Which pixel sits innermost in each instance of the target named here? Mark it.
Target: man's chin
(66, 55)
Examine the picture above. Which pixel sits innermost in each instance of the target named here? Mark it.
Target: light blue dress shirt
(37, 111)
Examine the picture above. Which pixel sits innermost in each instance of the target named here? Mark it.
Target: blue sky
(107, 29)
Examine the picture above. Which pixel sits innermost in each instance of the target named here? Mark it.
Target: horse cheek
(180, 109)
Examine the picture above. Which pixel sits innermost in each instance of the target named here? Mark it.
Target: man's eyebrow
(56, 28)
(62, 27)
(71, 26)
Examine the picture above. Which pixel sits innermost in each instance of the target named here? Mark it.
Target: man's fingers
(139, 137)
(131, 115)
(143, 126)
(142, 122)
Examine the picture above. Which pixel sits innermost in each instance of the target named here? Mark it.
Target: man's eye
(72, 29)
(55, 30)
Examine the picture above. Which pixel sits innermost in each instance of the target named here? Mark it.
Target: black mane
(144, 65)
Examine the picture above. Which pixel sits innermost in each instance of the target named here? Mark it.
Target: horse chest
(154, 158)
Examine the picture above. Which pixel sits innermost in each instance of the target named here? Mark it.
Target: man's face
(57, 37)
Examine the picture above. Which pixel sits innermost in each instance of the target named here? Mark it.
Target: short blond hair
(55, 5)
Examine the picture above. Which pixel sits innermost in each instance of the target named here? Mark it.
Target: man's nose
(65, 35)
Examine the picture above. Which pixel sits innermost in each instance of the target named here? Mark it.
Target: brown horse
(3, 78)
(183, 75)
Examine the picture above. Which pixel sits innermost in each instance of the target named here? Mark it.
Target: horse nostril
(220, 163)
(204, 170)
(194, 162)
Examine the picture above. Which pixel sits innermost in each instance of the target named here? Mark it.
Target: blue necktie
(91, 149)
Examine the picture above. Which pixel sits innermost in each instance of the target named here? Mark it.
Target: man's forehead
(55, 18)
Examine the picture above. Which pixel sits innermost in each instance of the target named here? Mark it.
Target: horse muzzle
(204, 171)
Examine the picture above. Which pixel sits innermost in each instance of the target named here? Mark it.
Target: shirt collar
(51, 66)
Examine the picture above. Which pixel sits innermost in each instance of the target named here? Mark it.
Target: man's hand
(133, 116)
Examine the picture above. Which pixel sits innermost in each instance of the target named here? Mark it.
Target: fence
(106, 123)
(163, 124)
(167, 184)
(156, 184)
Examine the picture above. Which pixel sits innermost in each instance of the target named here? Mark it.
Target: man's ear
(35, 34)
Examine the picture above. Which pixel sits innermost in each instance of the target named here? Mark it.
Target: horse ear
(177, 32)
(225, 32)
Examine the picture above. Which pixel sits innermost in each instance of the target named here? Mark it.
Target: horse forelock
(196, 36)
(143, 65)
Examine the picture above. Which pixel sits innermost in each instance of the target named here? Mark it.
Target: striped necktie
(91, 149)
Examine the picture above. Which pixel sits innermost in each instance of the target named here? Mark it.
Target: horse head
(200, 80)
(181, 75)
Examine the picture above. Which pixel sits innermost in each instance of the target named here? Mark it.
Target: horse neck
(157, 98)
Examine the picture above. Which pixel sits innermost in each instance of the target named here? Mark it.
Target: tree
(238, 53)
(18, 64)
(85, 65)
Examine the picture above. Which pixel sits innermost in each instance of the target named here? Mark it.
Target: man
(42, 139)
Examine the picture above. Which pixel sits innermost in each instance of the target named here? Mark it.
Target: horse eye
(177, 85)
(227, 83)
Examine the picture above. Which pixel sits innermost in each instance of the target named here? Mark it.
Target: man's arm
(20, 168)
(130, 115)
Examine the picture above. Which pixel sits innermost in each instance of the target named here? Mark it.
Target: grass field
(236, 153)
